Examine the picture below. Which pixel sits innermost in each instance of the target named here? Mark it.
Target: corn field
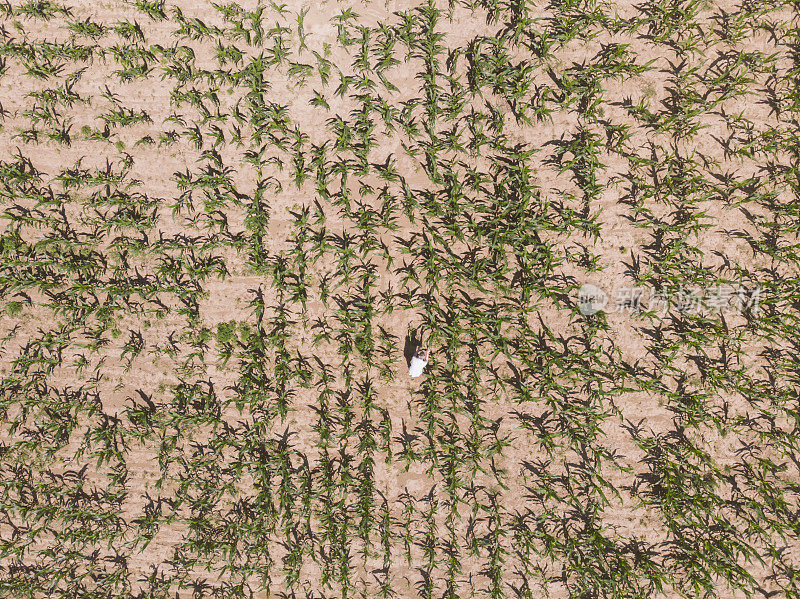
(224, 227)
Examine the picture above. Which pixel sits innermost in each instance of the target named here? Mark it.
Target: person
(418, 363)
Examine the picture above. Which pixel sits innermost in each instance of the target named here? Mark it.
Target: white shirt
(417, 366)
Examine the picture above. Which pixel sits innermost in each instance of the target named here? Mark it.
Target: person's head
(422, 353)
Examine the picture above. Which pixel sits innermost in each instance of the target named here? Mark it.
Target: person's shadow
(411, 346)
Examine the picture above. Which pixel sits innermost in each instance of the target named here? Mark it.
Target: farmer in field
(418, 362)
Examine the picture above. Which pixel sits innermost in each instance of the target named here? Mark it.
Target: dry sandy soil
(224, 226)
